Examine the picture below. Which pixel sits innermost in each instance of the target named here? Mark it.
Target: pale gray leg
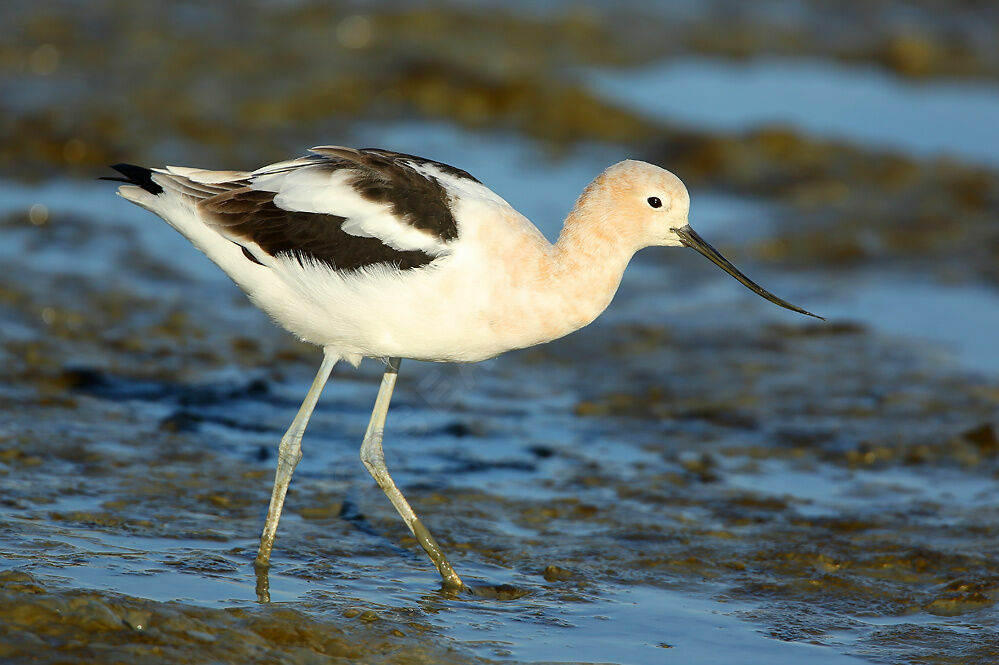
(289, 453)
(374, 461)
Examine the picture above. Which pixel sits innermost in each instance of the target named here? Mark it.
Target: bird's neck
(553, 290)
(589, 260)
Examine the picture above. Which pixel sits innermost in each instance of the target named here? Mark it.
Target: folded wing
(347, 208)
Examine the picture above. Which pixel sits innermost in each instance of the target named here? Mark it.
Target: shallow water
(698, 477)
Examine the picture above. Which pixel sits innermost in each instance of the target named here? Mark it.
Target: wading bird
(377, 254)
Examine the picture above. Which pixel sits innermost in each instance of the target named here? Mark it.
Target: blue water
(858, 103)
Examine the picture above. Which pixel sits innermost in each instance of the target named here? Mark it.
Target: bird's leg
(289, 453)
(374, 461)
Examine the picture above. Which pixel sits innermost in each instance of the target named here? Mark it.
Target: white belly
(456, 310)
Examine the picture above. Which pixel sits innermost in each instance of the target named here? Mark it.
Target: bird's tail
(140, 188)
(135, 175)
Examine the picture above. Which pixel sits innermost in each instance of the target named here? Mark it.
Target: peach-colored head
(633, 205)
(639, 201)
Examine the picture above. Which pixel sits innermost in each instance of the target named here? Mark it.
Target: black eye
(655, 202)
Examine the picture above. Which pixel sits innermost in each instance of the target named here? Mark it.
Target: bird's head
(655, 205)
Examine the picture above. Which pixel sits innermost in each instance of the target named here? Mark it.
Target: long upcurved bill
(690, 239)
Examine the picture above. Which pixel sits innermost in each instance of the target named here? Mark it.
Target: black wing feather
(136, 175)
(252, 215)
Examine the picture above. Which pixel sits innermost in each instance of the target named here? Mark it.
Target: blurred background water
(698, 477)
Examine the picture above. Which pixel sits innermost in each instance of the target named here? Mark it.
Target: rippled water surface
(697, 477)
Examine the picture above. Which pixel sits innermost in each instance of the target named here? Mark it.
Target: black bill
(690, 239)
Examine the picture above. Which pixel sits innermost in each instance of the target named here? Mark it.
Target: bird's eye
(655, 202)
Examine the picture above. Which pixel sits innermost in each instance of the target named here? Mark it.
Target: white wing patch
(461, 187)
(318, 190)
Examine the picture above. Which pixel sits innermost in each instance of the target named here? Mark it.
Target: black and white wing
(346, 208)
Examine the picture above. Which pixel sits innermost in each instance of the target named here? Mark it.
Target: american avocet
(371, 253)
